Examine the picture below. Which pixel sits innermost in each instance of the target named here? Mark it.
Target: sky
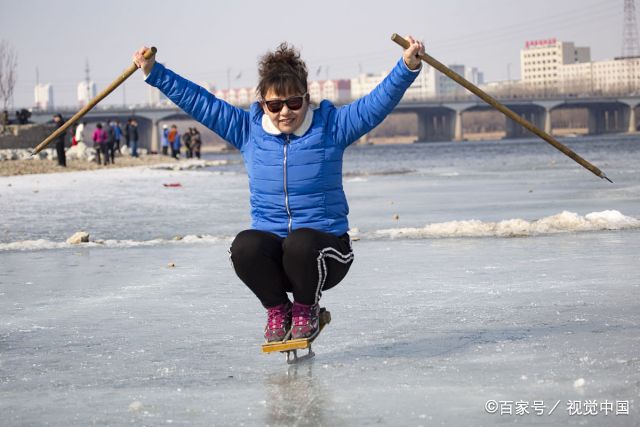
(206, 41)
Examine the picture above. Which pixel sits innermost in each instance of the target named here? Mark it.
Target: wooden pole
(117, 82)
(500, 107)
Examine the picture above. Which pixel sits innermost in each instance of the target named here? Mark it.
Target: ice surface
(424, 330)
(437, 329)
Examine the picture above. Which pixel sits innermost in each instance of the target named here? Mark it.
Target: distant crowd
(107, 139)
(22, 118)
(172, 140)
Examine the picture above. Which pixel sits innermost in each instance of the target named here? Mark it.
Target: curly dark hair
(283, 71)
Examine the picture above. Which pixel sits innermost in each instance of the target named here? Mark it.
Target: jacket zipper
(286, 193)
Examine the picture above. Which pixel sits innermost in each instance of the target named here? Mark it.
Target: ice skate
(290, 346)
(278, 324)
(305, 321)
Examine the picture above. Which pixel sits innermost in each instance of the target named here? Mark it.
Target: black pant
(104, 147)
(111, 152)
(62, 157)
(305, 263)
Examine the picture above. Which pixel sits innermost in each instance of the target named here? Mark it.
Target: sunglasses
(293, 103)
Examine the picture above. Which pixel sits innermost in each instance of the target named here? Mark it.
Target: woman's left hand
(415, 48)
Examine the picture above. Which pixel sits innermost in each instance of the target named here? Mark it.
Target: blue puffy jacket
(295, 180)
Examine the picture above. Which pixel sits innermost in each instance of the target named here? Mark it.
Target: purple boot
(278, 322)
(306, 321)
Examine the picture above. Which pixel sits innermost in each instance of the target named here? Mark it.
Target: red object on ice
(173, 184)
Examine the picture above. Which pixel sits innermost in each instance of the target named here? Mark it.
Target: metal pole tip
(605, 177)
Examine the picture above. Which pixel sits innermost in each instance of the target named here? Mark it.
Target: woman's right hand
(143, 63)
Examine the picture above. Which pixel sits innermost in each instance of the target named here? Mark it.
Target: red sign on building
(540, 43)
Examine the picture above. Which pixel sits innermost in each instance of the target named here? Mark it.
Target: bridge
(442, 120)
(438, 120)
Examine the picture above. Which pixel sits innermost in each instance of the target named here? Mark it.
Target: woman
(298, 240)
(100, 143)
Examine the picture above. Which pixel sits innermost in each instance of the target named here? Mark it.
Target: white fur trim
(269, 127)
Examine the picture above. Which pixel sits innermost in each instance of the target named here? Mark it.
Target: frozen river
(489, 277)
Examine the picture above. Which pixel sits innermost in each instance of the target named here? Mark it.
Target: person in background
(131, 133)
(117, 131)
(5, 119)
(79, 134)
(164, 140)
(62, 158)
(99, 143)
(177, 144)
(126, 135)
(110, 142)
(174, 141)
(196, 142)
(22, 116)
(186, 140)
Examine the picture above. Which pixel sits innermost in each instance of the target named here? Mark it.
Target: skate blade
(293, 358)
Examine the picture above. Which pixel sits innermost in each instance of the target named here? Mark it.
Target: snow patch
(43, 244)
(560, 223)
(189, 165)
(356, 179)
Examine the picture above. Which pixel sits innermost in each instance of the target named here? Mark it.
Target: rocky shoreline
(81, 158)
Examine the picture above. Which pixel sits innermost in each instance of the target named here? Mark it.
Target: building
(429, 83)
(615, 76)
(241, 97)
(155, 98)
(244, 96)
(210, 87)
(228, 95)
(43, 94)
(364, 83)
(425, 86)
(506, 88)
(336, 91)
(541, 59)
(447, 88)
(474, 75)
(86, 92)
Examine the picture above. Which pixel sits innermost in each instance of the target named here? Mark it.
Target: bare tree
(8, 66)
